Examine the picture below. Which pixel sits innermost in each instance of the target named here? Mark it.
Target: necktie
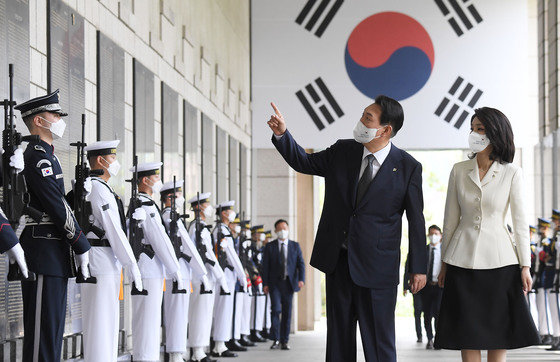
(366, 179)
(431, 268)
(283, 260)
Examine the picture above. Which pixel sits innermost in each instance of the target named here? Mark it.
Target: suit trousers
(44, 313)
(281, 297)
(349, 303)
(417, 303)
(431, 301)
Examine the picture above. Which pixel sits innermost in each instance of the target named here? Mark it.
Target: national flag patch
(47, 171)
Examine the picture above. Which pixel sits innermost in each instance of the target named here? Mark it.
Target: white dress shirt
(437, 261)
(380, 157)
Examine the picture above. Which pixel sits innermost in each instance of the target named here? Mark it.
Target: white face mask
(363, 134)
(179, 201)
(209, 211)
(231, 216)
(113, 168)
(478, 142)
(248, 234)
(56, 128)
(282, 234)
(156, 187)
(259, 244)
(262, 237)
(237, 229)
(435, 238)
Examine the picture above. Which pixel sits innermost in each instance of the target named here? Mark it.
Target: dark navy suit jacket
(373, 227)
(272, 270)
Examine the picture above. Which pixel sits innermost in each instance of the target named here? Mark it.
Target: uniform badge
(59, 176)
(47, 171)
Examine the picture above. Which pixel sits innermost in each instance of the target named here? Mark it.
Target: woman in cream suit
(485, 271)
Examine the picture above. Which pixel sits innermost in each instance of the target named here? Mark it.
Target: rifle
(82, 208)
(15, 198)
(175, 239)
(199, 243)
(135, 232)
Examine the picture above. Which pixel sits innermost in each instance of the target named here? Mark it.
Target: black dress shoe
(275, 345)
(555, 345)
(226, 353)
(546, 340)
(419, 340)
(265, 334)
(256, 337)
(430, 344)
(285, 347)
(244, 341)
(208, 359)
(233, 345)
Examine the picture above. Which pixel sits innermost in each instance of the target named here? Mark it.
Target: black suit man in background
(283, 273)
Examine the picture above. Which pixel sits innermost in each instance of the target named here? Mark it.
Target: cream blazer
(475, 234)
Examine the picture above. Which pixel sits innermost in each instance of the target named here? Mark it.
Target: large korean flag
(323, 61)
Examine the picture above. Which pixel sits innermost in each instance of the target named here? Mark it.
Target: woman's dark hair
(391, 112)
(499, 132)
(279, 221)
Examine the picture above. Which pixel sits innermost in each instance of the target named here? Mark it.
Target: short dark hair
(391, 112)
(499, 132)
(434, 227)
(279, 221)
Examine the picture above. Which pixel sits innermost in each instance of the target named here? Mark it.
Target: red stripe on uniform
(77, 238)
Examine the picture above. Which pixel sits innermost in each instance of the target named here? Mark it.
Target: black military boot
(555, 344)
(256, 336)
(546, 340)
(245, 342)
(233, 345)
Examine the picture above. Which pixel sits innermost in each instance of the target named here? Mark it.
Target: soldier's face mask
(231, 216)
(209, 211)
(113, 167)
(179, 200)
(237, 229)
(56, 128)
(156, 186)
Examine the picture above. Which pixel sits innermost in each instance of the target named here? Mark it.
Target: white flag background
(299, 47)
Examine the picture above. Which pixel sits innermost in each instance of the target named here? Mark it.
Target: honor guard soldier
(233, 271)
(9, 242)
(202, 299)
(554, 304)
(49, 240)
(146, 309)
(108, 255)
(545, 281)
(531, 297)
(176, 305)
(258, 300)
(267, 324)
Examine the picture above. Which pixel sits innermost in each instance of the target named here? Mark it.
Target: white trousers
(200, 317)
(100, 318)
(554, 315)
(246, 316)
(146, 321)
(239, 308)
(223, 310)
(257, 312)
(542, 310)
(175, 317)
(268, 313)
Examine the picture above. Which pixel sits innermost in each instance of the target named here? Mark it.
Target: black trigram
(319, 103)
(323, 5)
(456, 12)
(466, 99)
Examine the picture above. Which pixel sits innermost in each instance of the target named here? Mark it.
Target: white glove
(223, 243)
(244, 284)
(87, 187)
(178, 277)
(134, 273)
(139, 214)
(224, 285)
(82, 260)
(16, 161)
(206, 283)
(16, 255)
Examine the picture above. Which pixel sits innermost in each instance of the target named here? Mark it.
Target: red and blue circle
(389, 53)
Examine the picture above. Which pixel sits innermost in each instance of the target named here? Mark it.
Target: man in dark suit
(369, 183)
(283, 273)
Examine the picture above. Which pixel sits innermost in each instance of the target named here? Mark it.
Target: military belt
(99, 242)
(45, 220)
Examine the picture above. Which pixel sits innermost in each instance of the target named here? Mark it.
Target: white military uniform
(146, 309)
(245, 327)
(176, 306)
(223, 307)
(100, 301)
(241, 299)
(202, 305)
(258, 302)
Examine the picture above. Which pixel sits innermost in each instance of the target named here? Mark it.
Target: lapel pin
(395, 170)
